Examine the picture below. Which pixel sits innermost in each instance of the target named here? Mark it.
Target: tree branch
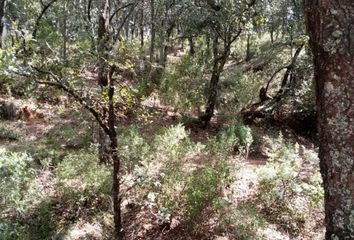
(45, 8)
(60, 85)
(119, 9)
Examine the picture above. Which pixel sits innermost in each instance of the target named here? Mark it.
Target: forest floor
(139, 222)
(57, 130)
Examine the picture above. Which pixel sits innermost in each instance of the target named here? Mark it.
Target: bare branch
(119, 9)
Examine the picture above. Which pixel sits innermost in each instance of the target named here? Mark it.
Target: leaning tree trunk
(330, 26)
(218, 67)
(39, 18)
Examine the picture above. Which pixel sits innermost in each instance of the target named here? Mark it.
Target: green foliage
(132, 147)
(80, 173)
(8, 134)
(69, 136)
(11, 231)
(238, 89)
(172, 144)
(235, 136)
(244, 222)
(183, 83)
(290, 184)
(203, 190)
(16, 181)
(127, 49)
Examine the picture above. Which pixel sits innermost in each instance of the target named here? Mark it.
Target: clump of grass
(8, 134)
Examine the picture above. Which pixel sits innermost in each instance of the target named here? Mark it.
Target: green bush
(172, 143)
(290, 184)
(244, 222)
(12, 231)
(164, 175)
(183, 84)
(8, 134)
(80, 173)
(16, 181)
(238, 90)
(132, 147)
(68, 136)
(204, 188)
(236, 136)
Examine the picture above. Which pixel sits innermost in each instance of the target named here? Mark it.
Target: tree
(227, 22)
(152, 29)
(330, 26)
(2, 20)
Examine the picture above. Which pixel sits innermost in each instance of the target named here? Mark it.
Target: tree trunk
(191, 46)
(290, 68)
(218, 67)
(166, 42)
(248, 48)
(208, 49)
(2, 21)
(102, 41)
(116, 161)
(330, 26)
(64, 31)
(102, 48)
(271, 30)
(153, 30)
(142, 24)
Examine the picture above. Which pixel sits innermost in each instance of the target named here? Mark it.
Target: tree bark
(218, 67)
(191, 46)
(330, 26)
(2, 20)
(64, 31)
(248, 48)
(102, 79)
(102, 41)
(115, 159)
(142, 24)
(153, 30)
(291, 66)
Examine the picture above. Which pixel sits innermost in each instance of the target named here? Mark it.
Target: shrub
(8, 134)
(238, 90)
(245, 222)
(132, 147)
(236, 136)
(11, 231)
(164, 175)
(172, 143)
(183, 85)
(204, 188)
(68, 136)
(290, 184)
(16, 181)
(80, 173)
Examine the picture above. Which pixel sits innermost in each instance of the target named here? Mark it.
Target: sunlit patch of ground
(83, 230)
